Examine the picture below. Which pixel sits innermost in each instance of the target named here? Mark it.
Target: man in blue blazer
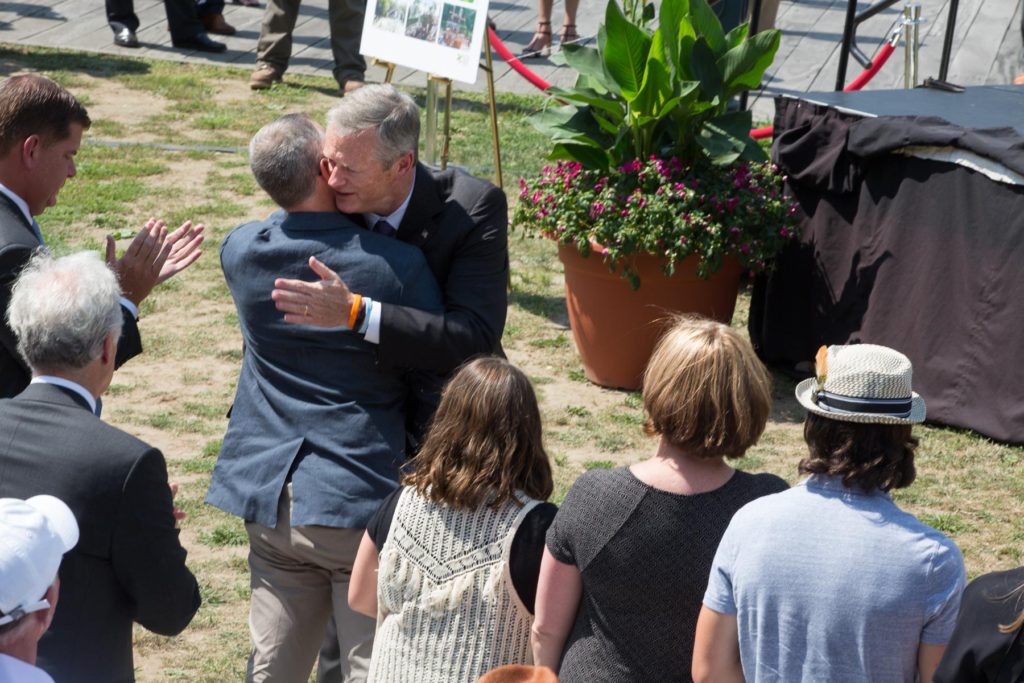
(317, 431)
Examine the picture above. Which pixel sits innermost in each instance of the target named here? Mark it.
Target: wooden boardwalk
(987, 44)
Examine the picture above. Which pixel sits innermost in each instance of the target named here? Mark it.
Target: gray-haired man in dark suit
(128, 565)
(317, 432)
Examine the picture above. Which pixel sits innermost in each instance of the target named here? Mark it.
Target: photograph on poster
(423, 20)
(457, 27)
(389, 15)
(439, 37)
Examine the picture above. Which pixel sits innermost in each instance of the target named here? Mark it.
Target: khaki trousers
(299, 576)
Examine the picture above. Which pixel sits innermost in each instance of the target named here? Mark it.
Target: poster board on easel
(441, 37)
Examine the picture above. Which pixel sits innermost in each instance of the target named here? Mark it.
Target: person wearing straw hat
(34, 535)
(831, 580)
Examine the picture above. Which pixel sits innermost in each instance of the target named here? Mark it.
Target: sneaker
(263, 77)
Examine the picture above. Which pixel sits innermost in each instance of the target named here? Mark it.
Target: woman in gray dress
(629, 552)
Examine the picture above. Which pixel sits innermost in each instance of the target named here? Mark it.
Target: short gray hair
(285, 158)
(393, 113)
(62, 309)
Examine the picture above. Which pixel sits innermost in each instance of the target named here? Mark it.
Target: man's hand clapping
(154, 256)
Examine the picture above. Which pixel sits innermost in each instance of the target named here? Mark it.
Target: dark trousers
(182, 16)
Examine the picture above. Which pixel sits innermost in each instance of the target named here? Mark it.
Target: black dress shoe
(123, 36)
(201, 42)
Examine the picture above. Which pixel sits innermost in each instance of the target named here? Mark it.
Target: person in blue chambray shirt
(831, 580)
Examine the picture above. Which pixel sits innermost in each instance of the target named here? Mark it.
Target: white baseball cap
(34, 535)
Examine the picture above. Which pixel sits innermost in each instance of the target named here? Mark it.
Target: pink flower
(745, 248)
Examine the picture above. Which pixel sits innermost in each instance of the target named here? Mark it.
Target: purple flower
(745, 248)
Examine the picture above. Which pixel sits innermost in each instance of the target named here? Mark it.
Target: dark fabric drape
(919, 255)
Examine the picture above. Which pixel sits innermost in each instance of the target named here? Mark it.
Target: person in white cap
(34, 535)
(830, 580)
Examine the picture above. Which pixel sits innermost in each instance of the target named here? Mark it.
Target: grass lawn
(168, 140)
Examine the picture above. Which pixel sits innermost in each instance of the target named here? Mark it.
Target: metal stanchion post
(447, 122)
(430, 124)
(390, 66)
(917, 41)
(907, 47)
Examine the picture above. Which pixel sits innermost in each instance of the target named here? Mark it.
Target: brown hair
(485, 441)
(1018, 594)
(705, 390)
(35, 105)
(871, 456)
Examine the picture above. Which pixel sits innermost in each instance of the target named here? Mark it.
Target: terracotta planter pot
(616, 327)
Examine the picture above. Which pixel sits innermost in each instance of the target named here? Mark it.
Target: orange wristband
(357, 303)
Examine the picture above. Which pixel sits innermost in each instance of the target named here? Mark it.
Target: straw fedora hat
(863, 383)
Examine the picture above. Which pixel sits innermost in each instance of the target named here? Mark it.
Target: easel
(430, 125)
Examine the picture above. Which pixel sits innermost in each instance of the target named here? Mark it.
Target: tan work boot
(349, 86)
(263, 77)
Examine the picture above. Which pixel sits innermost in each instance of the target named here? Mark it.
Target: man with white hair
(129, 565)
(34, 535)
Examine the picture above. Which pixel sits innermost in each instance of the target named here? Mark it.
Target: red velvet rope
(757, 133)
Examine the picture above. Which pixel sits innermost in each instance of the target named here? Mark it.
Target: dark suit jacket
(17, 243)
(313, 403)
(460, 223)
(128, 564)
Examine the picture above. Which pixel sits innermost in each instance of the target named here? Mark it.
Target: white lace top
(446, 608)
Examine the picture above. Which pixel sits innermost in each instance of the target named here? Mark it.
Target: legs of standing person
(355, 631)
(122, 12)
(294, 571)
(182, 19)
(345, 652)
(569, 33)
(328, 665)
(769, 11)
(123, 22)
(346, 18)
(540, 45)
(211, 14)
(274, 48)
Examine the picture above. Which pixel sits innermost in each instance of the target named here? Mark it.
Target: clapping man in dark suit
(316, 435)
(41, 127)
(129, 565)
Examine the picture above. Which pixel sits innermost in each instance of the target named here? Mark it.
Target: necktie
(384, 228)
(99, 406)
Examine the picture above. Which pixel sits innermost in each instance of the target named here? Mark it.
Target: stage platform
(987, 46)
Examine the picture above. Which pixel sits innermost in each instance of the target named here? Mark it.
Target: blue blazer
(310, 402)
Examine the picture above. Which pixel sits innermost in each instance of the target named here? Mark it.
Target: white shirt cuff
(373, 322)
(132, 308)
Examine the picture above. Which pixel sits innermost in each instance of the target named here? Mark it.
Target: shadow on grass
(13, 59)
(785, 407)
(550, 307)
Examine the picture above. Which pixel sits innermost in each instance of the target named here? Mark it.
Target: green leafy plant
(661, 207)
(662, 91)
(650, 157)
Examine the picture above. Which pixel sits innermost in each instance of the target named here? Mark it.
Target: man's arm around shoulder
(148, 558)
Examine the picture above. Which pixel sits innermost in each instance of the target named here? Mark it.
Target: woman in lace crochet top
(449, 563)
(629, 552)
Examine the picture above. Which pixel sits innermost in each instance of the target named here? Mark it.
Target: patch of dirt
(109, 100)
